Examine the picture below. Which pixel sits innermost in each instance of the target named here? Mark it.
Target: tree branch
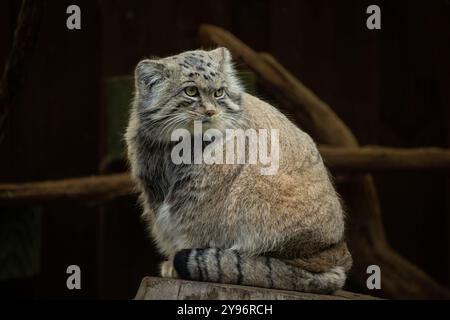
(383, 159)
(98, 189)
(91, 190)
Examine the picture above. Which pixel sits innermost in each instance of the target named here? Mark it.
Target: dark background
(390, 86)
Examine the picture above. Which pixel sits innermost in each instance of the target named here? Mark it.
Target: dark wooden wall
(53, 133)
(414, 111)
(390, 86)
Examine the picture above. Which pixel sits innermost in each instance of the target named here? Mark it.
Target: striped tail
(229, 266)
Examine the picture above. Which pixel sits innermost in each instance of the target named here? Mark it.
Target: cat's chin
(211, 124)
(214, 127)
(203, 125)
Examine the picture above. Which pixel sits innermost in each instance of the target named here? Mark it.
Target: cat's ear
(222, 55)
(148, 73)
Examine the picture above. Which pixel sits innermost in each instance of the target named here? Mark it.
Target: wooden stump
(152, 288)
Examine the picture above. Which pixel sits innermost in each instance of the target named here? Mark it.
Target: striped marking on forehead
(197, 64)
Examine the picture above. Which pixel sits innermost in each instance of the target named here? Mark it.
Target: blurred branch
(98, 189)
(91, 190)
(383, 159)
(24, 41)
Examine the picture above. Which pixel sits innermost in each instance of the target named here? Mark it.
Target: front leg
(167, 270)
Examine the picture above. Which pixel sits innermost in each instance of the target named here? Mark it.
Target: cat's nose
(211, 112)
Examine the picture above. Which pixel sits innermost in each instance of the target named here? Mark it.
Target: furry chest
(188, 226)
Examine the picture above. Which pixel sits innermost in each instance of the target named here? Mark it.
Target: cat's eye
(218, 93)
(191, 91)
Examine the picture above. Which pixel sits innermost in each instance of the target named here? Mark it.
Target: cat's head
(173, 92)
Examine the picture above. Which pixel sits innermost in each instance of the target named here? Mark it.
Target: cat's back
(295, 144)
(262, 115)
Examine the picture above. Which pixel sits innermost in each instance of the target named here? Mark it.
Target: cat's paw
(167, 270)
